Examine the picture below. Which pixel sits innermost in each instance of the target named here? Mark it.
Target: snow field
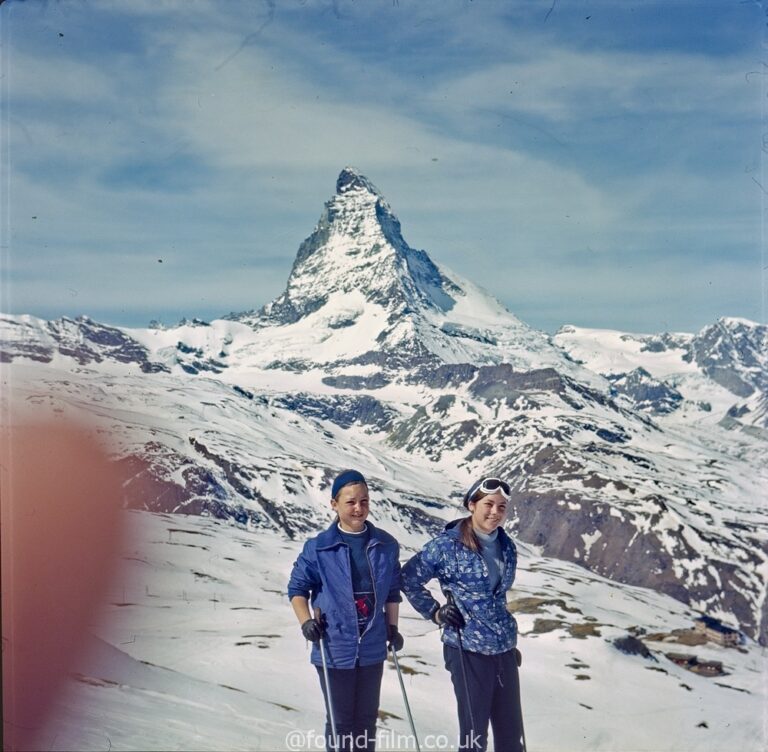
(199, 649)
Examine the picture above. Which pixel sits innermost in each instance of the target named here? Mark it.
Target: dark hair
(466, 531)
(468, 536)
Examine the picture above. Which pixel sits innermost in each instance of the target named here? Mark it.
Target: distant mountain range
(639, 457)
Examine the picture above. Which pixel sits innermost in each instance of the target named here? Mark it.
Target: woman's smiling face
(351, 505)
(488, 513)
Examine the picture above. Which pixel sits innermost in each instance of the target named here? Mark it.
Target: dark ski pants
(494, 692)
(355, 696)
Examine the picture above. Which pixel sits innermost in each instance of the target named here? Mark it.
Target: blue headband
(344, 478)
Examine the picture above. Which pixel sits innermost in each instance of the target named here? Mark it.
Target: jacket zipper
(352, 592)
(375, 599)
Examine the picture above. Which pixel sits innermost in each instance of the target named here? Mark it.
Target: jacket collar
(330, 537)
(452, 531)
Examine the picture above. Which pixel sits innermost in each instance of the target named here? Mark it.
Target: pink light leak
(61, 535)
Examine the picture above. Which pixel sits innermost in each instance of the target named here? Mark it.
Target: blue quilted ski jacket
(490, 628)
(323, 573)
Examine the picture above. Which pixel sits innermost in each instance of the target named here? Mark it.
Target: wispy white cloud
(257, 114)
(58, 80)
(565, 86)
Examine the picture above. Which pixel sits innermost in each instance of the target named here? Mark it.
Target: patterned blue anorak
(490, 628)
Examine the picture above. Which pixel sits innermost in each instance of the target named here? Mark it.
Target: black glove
(450, 616)
(312, 630)
(518, 657)
(394, 638)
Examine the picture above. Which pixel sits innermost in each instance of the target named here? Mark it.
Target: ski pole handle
(450, 615)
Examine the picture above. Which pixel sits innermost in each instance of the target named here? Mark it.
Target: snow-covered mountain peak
(351, 179)
(357, 247)
(730, 355)
(359, 294)
(734, 353)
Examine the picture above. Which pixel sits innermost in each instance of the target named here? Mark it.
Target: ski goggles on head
(488, 486)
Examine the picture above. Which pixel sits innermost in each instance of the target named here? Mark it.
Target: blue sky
(594, 163)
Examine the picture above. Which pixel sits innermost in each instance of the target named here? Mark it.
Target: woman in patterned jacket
(474, 561)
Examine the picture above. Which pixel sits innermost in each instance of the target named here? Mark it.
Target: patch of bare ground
(580, 630)
(681, 636)
(584, 630)
(385, 715)
(535, 605)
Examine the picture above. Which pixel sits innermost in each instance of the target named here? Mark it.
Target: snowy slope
(199, 649)
(581, 465)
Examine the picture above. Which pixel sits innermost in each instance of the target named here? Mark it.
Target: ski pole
(520, 710)
(405, 699)
(449, 597)
(328, 698)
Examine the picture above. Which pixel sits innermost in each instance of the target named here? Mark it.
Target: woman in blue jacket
(350, 573)
(474, 561)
